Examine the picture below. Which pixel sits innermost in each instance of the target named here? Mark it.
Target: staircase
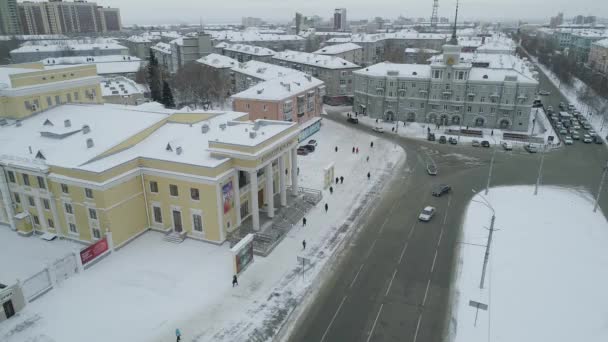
(175, 237)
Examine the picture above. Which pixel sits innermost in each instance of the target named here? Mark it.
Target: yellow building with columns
(79, 170)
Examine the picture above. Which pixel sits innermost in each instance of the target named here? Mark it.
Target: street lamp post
(486, 256)
(599, 190)
(490, 171)
(540, 170)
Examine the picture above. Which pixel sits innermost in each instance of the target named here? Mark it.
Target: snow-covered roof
(32, 37)
(499, 75)
(322, 61)
(68, 47)
(603, 43)
(5, 75)
(221, 45)
(7, 72)
(162, 47)
(249, 49)
(422, 71)
(264, 71)
(218, 61)
(112, 64)
(417, 50)
(121, 86)
(280, 88)
(338, 48)
(251, 36)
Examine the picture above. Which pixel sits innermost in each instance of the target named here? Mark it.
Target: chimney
(178, 150)
(90, 143)
(67, 123)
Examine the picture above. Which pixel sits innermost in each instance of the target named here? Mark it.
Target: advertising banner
(227, 196)
(93, 251)
(243, 253)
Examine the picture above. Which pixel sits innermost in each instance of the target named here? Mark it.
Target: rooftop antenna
(434, 18)
(454, 40)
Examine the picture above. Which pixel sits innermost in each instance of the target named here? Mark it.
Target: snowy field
(22, 257)
(146, 290)
(546, 278)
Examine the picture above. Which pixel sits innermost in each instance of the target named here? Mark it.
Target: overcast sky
(213, 11)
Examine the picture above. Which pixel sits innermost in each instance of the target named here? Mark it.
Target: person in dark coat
(331, 190)
(371, 144)
(357, 150)
(368, 175)
(337, 180)
(341, 179)
(235, 281)
(304, 221)
(367, 159)
(353, 149)
(376, 120)
(326, 207)
(336, 148)
(178, 335)
(303, 244)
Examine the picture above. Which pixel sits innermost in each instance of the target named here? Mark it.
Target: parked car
(441, 189)
(587, 139)
(379, 129)
(550, 109)
(309, 148)
(507, 146)
(592, 133)
(544, 93)
(430, 137)
(531, 148)
(431, 169)
(442, 139)
(563, 131)
(453, 140)
(576, 136)
(353, 120)
(537, 103)
(562, 106)
(485, 143)
(476, 143)
(302, 151)
(312, 142)
(598, 140)
(568, 141)
(427, 213)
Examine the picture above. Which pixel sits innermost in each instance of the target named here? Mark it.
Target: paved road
(392, 283)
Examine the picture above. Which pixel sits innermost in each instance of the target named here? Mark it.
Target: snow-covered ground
(146, 290)
(546, 278)
(542, 128)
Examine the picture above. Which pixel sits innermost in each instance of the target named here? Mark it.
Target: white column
(237, 200)
(282, 180)
(7, 200)
(255, 210)
(268, 190)
(58, 229)
(294, 171)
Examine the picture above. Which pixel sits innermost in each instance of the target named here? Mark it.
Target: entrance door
(261, 198)
(9, 310)
(177, 221)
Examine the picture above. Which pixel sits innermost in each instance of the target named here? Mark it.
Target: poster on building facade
(228, 196)
(91, 252)
(243, 253)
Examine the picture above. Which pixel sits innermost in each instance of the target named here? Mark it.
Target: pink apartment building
(297, 98)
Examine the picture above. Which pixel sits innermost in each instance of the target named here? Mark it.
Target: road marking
(383, 224)
(403, 252)
(434, 259)
(428, 284)
(417, 327)
(333, 318)
(374, 326)
(391, 283)
(372, 248)
(440, 235)
(409, 236)
(356, 275)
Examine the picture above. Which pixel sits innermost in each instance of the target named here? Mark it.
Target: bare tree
(196, 84)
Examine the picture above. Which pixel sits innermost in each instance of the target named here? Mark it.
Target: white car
(544, 92)
(568, 141)
(426, 214)
(379, 129)
(507, 146)
(587, 139)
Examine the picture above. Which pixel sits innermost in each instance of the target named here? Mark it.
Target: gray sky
(189, 11)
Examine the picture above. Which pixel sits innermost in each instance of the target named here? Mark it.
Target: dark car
(441, 189)
(353, 120)
(443, 139)
(453, 141)
(598, 140)
(309, 148)
(302, 151)
(485, 143)
(430, 137)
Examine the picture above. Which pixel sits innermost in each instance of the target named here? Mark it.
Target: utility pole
(490, 172)
(599, 190)
(540, 170)
(487, 255)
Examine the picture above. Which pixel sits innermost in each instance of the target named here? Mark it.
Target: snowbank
(546, 276)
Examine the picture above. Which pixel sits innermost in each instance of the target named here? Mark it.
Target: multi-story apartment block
(580, 44)
(295, 98)
(39, 50)
(340, 23)
(348, 51)
(9, 18)
(139, 46)
(182, 50)
(121, 90)
(80, 171)
(273, 41)
(59, 17)
(598, 56)
(245, 53)
(447, 92)
(27, 89)
(335, 72)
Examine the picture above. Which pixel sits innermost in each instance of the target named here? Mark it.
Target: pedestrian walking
(341, 179)
(337, 180)
(371, 144)
(392, 129)
(331, 190)
(357, 150)
(336, 148)
(492, 133)
(303, 244)
(326, 207)
(235, 281)
(353, 149)
(304, 221)
(376, 120)
(368, 175)
(367, 159)
(298, 171)
(428, 129)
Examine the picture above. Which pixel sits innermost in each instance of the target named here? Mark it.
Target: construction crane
(434, 18)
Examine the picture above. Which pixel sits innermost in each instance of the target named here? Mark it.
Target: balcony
(507, 106)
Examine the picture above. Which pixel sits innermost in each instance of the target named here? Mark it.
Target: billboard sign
(227, 196)
(93, 251)
(243, 253)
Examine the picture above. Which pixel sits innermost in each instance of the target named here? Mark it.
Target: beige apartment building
(598, 56)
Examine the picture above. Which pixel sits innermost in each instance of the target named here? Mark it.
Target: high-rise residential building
(340, 19)
(251, 22)
(59, 17)
(9, 17)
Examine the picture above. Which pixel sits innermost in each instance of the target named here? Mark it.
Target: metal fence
(52, 275)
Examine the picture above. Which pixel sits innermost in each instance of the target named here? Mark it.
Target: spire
(454, 40)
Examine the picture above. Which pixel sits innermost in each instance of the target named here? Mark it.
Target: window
(344, 82)
(445, 107)
(27, 105)
(96, 233)
(519, 112)
(93, 214)
(194, 194)
(88, 193)
(68, 208)
(26, 179)
(17, 198)
(480, 109)
(31, 201)
(247, 105)
(51, 223)
(492, 110)
(57, 99)
(483, 99)
(173, 190)
(46, 203)
(469, 109)
(422, 105)
(72, 228)
(197, 223)
(64, 188)
(460, 75)
(153, 187)
(265, 108)
(158, 215)
(69, 97)
(436, 74)
(390, 93)
(413, 85)
(36, 220)
(49, 101)
(11, 176)
(76, 96)
(41, 183)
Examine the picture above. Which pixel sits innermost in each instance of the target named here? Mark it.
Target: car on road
(550, 109)
(443, 139)
(430, 137)
(485, 143)
(302, 151)
(537, 103)
(544, 93)
(587, 139)
(563, 131)
(568, 141)
(441, 189)
(586, 126)
(379, 129)
(431, 169)
(427, 213)
(309, 148)
(476, 143)
(312, 142)
(453, 141)
(562, 106)
(507, 146)
(531, 148)
(353, 120)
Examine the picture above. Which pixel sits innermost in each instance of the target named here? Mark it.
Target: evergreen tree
(167, 98)
(153, 78)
